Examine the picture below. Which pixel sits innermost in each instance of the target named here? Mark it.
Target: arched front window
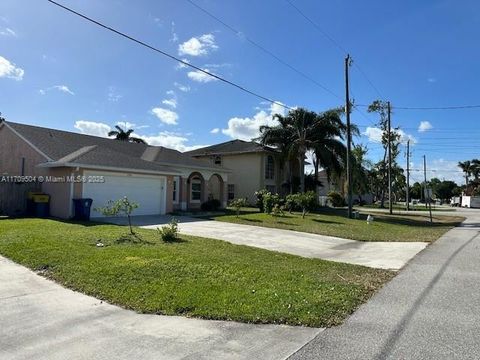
(270, 168)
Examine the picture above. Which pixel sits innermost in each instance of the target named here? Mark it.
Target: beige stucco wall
(12, 149)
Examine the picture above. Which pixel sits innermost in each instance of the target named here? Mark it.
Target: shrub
(277, 211)
(120, 206)
(259, 195)
(169, 233)
(269, 201)
(307, 202)
(211, 205)
(336, 199)
(237, 204)
(304, 202)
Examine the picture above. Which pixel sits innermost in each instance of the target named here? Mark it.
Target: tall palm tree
(476, 168)
(293, 135)
(122, 135)
(329, 151)
(300, 131)
(467, 169)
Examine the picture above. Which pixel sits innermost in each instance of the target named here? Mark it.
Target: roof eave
(106, 168)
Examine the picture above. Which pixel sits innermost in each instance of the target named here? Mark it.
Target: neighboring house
(338, 186)
(159, 179)
(253, 167)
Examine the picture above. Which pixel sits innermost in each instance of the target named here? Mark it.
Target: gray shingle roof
(83, 149)
(231, 147)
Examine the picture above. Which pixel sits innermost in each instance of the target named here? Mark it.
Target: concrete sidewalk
(429, 311)
(40, 319)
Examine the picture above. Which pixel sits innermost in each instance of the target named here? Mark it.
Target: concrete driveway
(383, 255)
(40, 319)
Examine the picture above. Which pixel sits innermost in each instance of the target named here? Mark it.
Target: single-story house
(73, 165)
(253, 167)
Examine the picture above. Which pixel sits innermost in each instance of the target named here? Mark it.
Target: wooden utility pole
(425, 180)
(427, 193)
(407, 199)
(390, 203)
(349, 138)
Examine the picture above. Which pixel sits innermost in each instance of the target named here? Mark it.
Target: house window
(271, 189)
(196, 190)
(231, 192)
(217, 160)
(175, 189)
(270, 168)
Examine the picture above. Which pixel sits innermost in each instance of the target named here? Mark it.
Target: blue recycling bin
(82, 209)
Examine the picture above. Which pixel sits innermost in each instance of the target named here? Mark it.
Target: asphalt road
(431, 310)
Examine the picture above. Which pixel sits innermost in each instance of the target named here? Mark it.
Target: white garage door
(147, 191)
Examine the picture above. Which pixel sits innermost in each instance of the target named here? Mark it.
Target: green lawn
(335, 223)
(196, 277)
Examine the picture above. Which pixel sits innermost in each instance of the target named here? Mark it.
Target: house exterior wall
(12, 150)
(248, 174)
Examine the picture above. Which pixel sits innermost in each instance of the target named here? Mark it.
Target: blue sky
(57, 70)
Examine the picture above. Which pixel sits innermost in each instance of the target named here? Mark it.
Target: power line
(430, 107)
(169, 55)
(262, 48)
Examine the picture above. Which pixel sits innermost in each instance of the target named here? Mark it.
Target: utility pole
(348, 60)
(425, 180)
(390, 204)
(427, 193)
(407, 199)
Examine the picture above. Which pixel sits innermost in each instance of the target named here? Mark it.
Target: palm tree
(467, 168)
(123, 135)
(295, 132)
(301, 131)
(476, 168)
(328, 148)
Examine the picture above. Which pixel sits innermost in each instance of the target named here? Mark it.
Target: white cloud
(113, 95)
(170, 140)
(198, 46)
(174, 35)
(215, 131)
(199, 76)
(10, 70)
(249, 127)
(166, 116)
(182, 65)
(184, 88)
(92, 128)
(7, 32)
(424, 126)
(170, 102)
(126, 125)
(64, 88)
(374, 134)
(441, 169)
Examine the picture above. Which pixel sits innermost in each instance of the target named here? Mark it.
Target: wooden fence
(13, 197)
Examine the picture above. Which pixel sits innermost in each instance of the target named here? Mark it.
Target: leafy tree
(122, 135)
(467, 169)
(445, 190)
(237, 204)
(381, 169)
(416, 191)
(121, 206)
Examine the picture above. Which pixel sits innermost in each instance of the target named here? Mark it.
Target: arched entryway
(215, 188)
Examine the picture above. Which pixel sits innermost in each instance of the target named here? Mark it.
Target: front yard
(196, 277)
(335, 223)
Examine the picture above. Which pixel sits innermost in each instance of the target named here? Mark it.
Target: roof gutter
(106, 168)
